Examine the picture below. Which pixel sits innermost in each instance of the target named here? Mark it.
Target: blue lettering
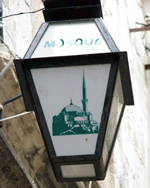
(48, 44)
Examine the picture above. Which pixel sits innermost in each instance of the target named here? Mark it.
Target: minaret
(84, 99)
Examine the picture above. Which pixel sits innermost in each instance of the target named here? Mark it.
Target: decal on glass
(73, 120)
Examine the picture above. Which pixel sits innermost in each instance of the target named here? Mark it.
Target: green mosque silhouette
(72, 120)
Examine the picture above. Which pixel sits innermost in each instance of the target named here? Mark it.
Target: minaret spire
(71, 102)
(84, 99)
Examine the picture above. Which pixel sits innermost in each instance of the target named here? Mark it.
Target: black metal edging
(36, 40)
(71, 9)
(107, 105)
(39, 113)
(123, 63)
(71, 13)
(20, 71)
(67, 3)
(23, 85)
(64, 61)
(114, 140)
(107, 37)
(126, 79)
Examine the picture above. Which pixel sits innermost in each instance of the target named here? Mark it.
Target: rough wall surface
(130, 162)
(11, 175)
(129, 165)
(17, 40)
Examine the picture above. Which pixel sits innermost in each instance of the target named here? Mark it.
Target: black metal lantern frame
(85, 165)
(119, 78)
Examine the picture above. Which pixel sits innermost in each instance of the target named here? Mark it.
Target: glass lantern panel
(78, 171)
(115, 113)
(71, 38)
(72, 100)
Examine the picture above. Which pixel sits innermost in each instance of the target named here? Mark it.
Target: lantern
(78, 83)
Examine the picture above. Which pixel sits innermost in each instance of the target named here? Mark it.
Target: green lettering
(62, 42)
(78, 42)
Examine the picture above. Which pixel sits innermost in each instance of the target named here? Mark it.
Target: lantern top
(67, 3)
(67, 10)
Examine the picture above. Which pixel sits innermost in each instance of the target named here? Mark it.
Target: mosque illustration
(73, 120)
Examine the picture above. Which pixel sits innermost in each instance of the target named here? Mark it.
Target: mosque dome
(72, 108)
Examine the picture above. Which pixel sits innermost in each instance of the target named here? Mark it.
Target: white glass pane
(115, 111)
(72, 99)
(78, 171)
(71, 38)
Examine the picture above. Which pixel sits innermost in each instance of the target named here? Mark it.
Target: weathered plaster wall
(37, 18)
(130, 163)
(129, 166)
(18, 40)
(11, 174)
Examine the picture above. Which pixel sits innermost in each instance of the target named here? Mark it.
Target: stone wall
(17, 40)
(130, 164)
(11, 174)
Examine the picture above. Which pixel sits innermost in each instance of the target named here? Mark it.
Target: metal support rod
(9, 64)
(147, 48)
(5, 69)
(147, 67)
(5, 103)
(90, 184)
(139, 29)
